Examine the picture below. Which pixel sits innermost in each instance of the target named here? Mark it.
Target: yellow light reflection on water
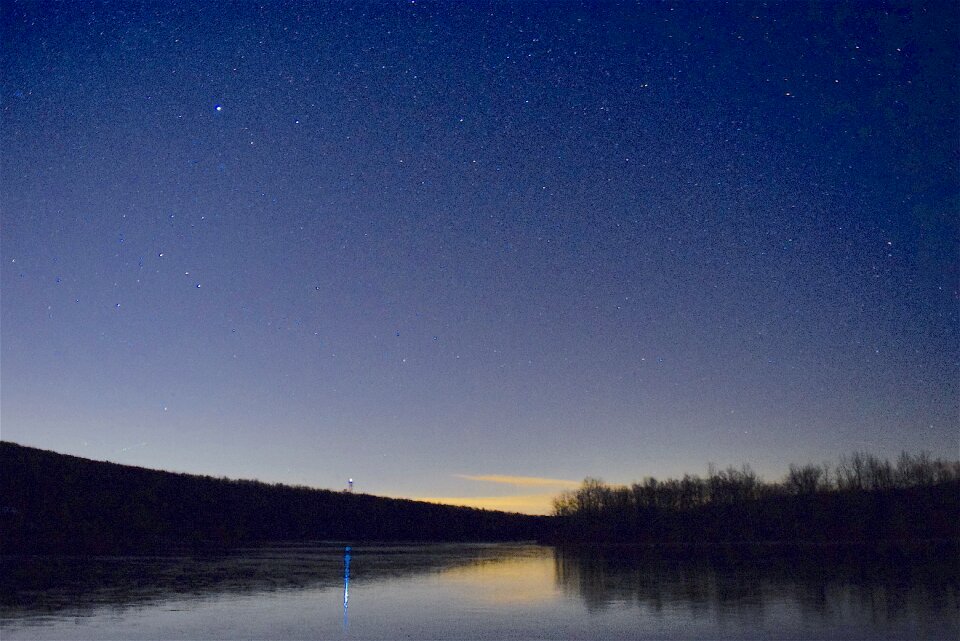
(523, 580)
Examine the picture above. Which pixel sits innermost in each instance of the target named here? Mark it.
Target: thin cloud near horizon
(520, 481)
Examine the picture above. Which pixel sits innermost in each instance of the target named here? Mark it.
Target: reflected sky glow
(507, 591)
(507, 581)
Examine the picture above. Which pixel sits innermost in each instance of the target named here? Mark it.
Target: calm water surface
(325, 591)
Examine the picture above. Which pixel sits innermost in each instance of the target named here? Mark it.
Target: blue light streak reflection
(346, 588)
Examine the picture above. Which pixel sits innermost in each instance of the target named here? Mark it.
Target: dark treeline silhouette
(861, 499)
(52, 503)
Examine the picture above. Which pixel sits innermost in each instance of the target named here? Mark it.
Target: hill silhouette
(54, 504)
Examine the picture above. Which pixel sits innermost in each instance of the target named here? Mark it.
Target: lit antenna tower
(350, 485)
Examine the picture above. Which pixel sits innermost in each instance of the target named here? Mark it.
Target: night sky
(479, 249)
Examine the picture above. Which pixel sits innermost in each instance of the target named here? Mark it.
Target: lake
(496, 591)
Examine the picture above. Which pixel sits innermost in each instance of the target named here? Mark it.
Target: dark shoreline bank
(55, 504)
(52, 503)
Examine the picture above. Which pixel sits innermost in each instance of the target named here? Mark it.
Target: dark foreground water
(486, 592)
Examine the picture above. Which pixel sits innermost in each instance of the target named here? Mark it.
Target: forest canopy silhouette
(861, 498)
(54, 504)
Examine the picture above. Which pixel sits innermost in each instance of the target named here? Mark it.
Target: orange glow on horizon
(538, 504)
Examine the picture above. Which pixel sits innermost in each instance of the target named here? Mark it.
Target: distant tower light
(350, 485)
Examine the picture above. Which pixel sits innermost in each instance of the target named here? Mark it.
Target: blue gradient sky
(409, 241)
